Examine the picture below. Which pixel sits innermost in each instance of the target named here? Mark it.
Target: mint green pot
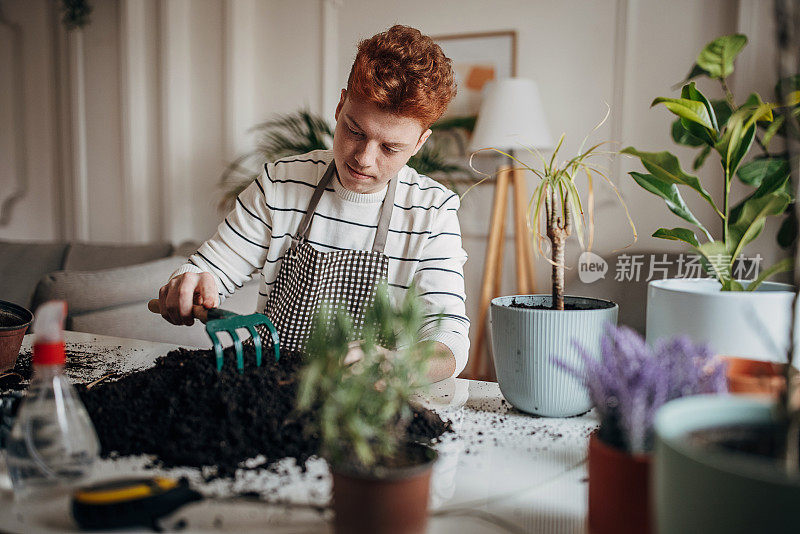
(706, 491)
(525, 343)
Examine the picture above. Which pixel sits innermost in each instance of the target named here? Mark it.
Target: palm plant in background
(303, 131)
(729, 130)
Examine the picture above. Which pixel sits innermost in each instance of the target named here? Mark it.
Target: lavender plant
(631, 381)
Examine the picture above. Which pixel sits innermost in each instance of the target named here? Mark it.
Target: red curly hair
(403, 72)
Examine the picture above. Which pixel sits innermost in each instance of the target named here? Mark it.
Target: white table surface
(500, 471)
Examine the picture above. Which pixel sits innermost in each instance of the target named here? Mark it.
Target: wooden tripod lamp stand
(511, 115)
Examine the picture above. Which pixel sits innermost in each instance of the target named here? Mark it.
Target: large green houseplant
(734, 460)
(729, 130)
(362, 412)
(527, 330)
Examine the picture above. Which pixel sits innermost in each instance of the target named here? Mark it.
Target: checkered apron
(308, 278)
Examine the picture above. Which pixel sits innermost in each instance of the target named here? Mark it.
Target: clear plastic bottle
(53, 444)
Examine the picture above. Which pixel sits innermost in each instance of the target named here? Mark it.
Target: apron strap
(305, 222)
(384, 219)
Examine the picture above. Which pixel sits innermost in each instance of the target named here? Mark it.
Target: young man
(329, 225)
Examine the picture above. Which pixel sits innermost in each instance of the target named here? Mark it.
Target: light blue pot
(525, 343)
(705, 491)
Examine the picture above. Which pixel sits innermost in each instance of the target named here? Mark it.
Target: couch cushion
(95, 290)
(23, 264)
(92, 257)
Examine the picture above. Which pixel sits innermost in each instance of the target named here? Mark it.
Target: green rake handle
(219, 320)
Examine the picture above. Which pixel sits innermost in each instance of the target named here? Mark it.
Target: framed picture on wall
(478, 58)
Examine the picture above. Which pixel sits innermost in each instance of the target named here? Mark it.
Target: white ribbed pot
(526, 342)
(744, 324)
(702, 489)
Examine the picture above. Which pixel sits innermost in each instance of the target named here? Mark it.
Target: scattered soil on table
(83, 362)
(186, 413)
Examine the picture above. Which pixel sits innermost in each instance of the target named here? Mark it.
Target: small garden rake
(219, 320)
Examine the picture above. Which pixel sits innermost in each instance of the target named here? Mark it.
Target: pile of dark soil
(186, 413)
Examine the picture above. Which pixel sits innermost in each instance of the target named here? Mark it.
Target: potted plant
(380, 479)
(627, 384)
(740, 454)
(527, 330)
(738, 317)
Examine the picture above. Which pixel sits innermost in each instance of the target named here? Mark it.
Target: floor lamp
(511, 116)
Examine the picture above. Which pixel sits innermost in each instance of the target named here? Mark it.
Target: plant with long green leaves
(729, 130)
(302, 131)
(362, 410)
(556, 200)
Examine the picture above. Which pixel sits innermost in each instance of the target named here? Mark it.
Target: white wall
(129, 124)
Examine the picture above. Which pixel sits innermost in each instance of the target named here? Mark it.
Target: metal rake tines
(226, 321)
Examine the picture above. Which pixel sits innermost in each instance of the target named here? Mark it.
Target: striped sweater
(423, 245)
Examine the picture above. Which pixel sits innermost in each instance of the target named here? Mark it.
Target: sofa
(106, 287)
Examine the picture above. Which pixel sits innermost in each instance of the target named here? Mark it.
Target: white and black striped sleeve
(439, 280)
(240, 245)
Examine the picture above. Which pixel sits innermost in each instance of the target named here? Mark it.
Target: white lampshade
(511, 115)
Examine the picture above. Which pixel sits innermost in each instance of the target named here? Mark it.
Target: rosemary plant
(363, 410)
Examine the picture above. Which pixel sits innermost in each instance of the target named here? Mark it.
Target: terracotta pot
(619, 491)
(754, 376)
(14, 322)
(393, 502)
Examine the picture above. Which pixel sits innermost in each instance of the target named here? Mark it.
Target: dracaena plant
(729, 130)
(557, 202)
(362, 411)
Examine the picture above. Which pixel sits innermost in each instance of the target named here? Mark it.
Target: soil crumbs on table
(186, 413)
(83, 363)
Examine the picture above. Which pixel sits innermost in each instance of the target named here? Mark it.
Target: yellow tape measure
(130, 502)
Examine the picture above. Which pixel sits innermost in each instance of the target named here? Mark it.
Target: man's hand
(442, 362)
(177, 297)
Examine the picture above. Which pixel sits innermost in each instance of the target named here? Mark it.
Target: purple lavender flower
(630, 381)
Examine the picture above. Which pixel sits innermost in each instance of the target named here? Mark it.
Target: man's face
(370, 146)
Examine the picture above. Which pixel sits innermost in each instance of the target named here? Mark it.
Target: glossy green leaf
(718, 56)
(787, 234)
(755, 172)
(717, 258)
(677, 234)
(687, 109)
(672, 197)
(773, 129)
(691, 92)
(750, 218)
(666, 168)
(785, 265)
(682, 136)
(723, 112)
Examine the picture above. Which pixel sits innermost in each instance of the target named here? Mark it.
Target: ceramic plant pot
(744, 324)
(527, 341)
(393, 502)
(710, 490)
(14, 322)
(619, 490)
(757, 377)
